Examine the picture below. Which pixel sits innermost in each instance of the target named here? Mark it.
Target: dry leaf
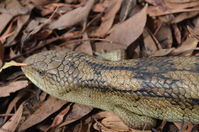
(196, 9)
(43, 34)
(181, 4)
(21, 21)
(114, 123)
(85, 47)
(33, 28)
(154, 2)
(13, 122)
(15, 8)
(187, 47)
(164, 36)
(4, 20)
(128, 31)
(8, 32)
(77, 112)
(127, 9)
(110, 122)
(73, 17)
(162, 125)
(10, 10)
(12, 105)
(169, 8)
(100, 7)
(196, 23)
(194, 32)
(50, 106)
(122, 35)
(149, 43)
(14, 54)
(1, 54)
(42, 2)
(177, 33)
(184, 16)
(162, 52)
(59, 118)
(184, 127)
(12, 87)
(180, 1)
(108, 18)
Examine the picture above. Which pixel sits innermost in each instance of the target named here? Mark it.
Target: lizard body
(139, 91)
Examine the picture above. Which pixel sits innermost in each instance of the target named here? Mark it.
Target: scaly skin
(139, 91)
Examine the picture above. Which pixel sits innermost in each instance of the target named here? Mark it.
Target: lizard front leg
(133, 120)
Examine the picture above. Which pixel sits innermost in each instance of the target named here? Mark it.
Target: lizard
(139, 91)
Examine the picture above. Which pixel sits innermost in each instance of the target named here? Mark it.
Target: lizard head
(47, 71)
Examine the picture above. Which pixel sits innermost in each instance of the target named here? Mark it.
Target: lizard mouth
(27, 70)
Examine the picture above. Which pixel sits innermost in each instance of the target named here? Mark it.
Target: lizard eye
(41, 73)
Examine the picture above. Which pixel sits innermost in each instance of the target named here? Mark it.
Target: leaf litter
(106, 29)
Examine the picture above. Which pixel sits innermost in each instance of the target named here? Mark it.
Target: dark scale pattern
(151, 75)
(164, 88)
